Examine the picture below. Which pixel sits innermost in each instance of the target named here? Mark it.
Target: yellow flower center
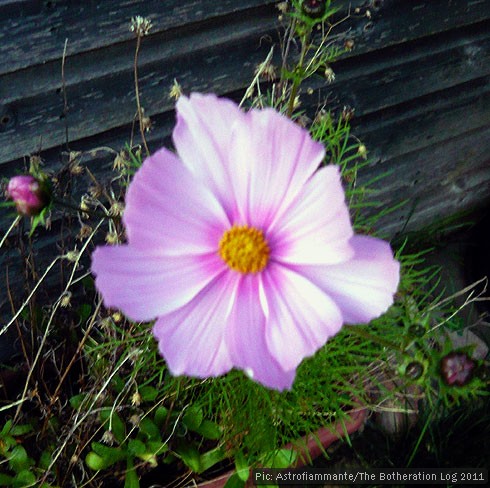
(244, 249)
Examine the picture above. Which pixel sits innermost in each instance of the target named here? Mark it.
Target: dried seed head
(135, 420)
(347, 113)
(117, 209)
(117, 317)
(282, 7)
(112, 238)
(349, 44)
(136, 399)
(141, 26)
(329, 74)
(175, 90)
(84, 206)
(95, 191)
(362, 151)
(146, 123)
(266, 71)
(76, 168)
(121, 161)
(66, 299)
(108, 438)
(72, 256)
(84, 233)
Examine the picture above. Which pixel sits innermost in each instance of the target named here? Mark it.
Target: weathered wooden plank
(399, 74)
(438, 182)
(33, 95)
(34, 32)
(109, 101)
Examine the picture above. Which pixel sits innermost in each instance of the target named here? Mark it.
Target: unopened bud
(29, 194)
(313, 8)
(457, 368)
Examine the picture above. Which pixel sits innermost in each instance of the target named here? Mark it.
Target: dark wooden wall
(418, 78)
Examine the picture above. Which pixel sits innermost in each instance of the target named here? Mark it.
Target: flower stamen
(244, 249)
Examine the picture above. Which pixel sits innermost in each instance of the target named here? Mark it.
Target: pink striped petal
(202, 139)
(300, 316)
(316, 228)
(146, 283)
(246, 341)
(192, 339)
(363, 287)
(272, 159)
(170, 210)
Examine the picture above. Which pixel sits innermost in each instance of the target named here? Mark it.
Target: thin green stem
(137, 92)
(298, 71)
(361, 332)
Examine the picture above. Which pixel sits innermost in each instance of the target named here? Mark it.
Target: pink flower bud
(457, 368)
(28, 193)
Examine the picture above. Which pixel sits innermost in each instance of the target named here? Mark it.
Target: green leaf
(148, 427)
(19, 460)
(113, 423)
(18, 430)
(6, 428)
(283, 458)
(45, 460)
(234, 481)
(96, 462)
(6, 480)
(157, 447)
(148, 393)
(210, 458)
(131, 480)
(242, 468)
(136, 447)
(209, 430)
(149, 458)
(84, 311)
(24, 478)
(192, 418)
(118, 383)
(110, 454)
(38, 220)
(160, 416)
(190, 455)
(76, 401)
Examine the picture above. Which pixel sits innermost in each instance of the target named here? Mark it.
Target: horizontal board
(43, 26)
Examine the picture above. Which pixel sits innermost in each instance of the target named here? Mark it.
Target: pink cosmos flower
(241, 248)
(28, 194)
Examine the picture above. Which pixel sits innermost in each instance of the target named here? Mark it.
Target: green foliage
(18, 468)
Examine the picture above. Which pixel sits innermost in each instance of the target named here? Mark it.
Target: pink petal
(146, 283)
(363, 287)
(169, 209)
(246, 338)
(300, 316)
(272, 159)
(202, 139)
(192, 339)
(316, 228)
